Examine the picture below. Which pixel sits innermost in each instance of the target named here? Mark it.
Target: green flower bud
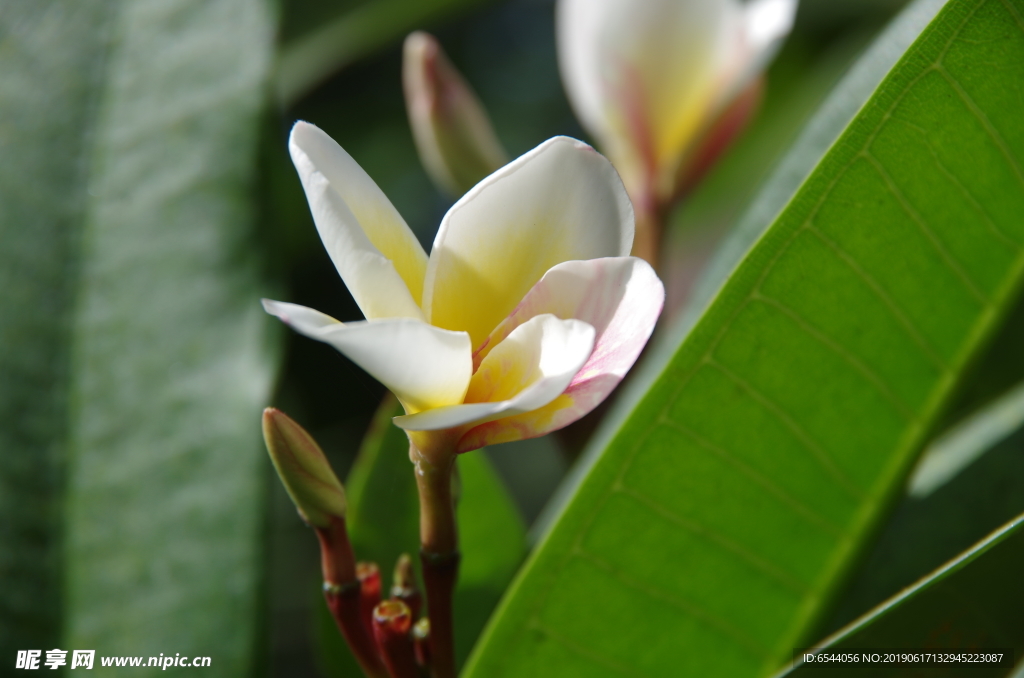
(304, 470)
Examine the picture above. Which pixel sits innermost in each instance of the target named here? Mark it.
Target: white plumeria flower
(524, 317)
(651, 78)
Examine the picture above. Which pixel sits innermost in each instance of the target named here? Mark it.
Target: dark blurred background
(506, 50)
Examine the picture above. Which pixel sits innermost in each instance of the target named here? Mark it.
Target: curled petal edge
(540, 358)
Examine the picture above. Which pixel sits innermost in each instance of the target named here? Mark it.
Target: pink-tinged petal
(621, 298)
(425, 366)
(560, 202)
(378, 257)
(530, 368)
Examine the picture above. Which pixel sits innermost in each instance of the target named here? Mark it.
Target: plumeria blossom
(524, 317)
(662, 84)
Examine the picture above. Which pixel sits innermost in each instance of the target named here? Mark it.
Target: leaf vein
(905, 410)
(756, 476)
(980, 115)
(811, 445)
(686, 607)
(912, 330)
(760, 564)
(1016, 14)
(584, 652)
(951, 263)
(993, 227)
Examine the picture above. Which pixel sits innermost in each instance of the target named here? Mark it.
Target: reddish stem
(344, 604)
(392, 623)
(439, 576)
(343, 593)
(369, 588)
(439, 552)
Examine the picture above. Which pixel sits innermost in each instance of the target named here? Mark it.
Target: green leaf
(721, 519)
(964, 605)
(383, 523)
(968, 482)
(308, 61)
(134, 356)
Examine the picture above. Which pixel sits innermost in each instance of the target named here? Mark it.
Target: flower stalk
(368, 575)
(439, 552)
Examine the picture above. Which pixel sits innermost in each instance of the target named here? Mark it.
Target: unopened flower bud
(403, 586)
(304, 470)
(392, 622)
(421, 641)
(456, 142)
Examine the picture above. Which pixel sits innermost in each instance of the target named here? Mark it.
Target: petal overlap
(620, 298)
(532, 367)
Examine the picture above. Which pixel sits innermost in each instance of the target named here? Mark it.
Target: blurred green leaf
(134, 356)
(723, 516)
(961, 446)
(964, 605)
(307, 61)
(384, 523)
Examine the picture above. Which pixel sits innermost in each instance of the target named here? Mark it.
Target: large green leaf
(40, 204)
(133, 351)
(965, 605)
(384, 523)
(716, 527)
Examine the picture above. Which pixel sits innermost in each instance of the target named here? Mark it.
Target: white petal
(559, 202)
(766, 23)
(528, 370)
(425, 366)
(373, 249)
(302, 318)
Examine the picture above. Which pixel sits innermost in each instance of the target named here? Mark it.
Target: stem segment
(392, 627)
(439, 553)
(343, 593)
